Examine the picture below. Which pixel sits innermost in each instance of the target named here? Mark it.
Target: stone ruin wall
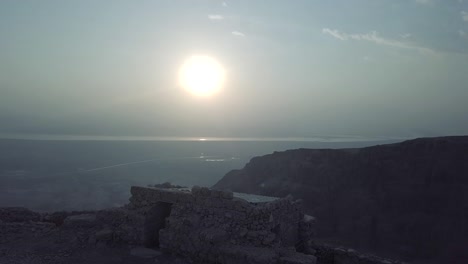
(207, 224)
(213, 226)
(127, 225)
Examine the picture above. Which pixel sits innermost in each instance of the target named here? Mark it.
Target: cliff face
(407, 200)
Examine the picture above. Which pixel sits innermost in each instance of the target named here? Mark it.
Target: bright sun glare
(201, 75)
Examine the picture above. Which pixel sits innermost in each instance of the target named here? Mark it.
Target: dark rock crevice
(154, 222)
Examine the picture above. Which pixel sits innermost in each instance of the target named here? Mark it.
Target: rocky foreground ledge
(28, 237)
(172, 225)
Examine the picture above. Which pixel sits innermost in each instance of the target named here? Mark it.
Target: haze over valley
(351, 116)
(55, 175)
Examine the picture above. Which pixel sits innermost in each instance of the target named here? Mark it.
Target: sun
(201, 75)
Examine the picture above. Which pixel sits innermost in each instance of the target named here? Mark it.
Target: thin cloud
(335, 33)
(462, 33)
(225, 4)
(464, 15)
(238, 34)
(374, 37)
(367, 58)
(405, 36)
(215, 17)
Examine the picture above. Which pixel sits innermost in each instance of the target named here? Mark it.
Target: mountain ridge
(407, 200)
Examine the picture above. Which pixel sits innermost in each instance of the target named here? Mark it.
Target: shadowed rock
(407, 200)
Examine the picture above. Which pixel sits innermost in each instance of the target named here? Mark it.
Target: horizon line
(69, 137)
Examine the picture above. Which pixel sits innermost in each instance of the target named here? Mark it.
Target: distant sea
(333, 138)
(69, 172)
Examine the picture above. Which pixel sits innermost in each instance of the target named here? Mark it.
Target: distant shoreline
(197, 139)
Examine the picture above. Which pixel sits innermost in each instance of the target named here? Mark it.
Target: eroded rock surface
(198, 226)
(28, 237)
(407, 200)
(212, 226)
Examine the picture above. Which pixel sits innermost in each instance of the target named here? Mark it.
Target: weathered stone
(18, 214)
(215, 193)
(242, 254)
(271, 219)
(142, 252)
(112, 217)
(81, 220)
(204, 191)
(329, 254)
(298, 259)
(243, 232)
(104, 235)
(201, 223)
(269, 239)
(227, 195)
(92, 240)
(308, 218)
(195, 190)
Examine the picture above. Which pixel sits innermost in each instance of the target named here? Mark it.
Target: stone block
(112, 217)
(81, 220)
(215, 194)
(298, 258)
(142, 252)
(196, 190)
(18, 214)
(205, 192)
(242, 254)
(269, 239)
(104, 235)
(227, 195)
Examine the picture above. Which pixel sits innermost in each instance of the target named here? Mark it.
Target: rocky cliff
(407, 200)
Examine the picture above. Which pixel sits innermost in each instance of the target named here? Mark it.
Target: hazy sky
(293, 68)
